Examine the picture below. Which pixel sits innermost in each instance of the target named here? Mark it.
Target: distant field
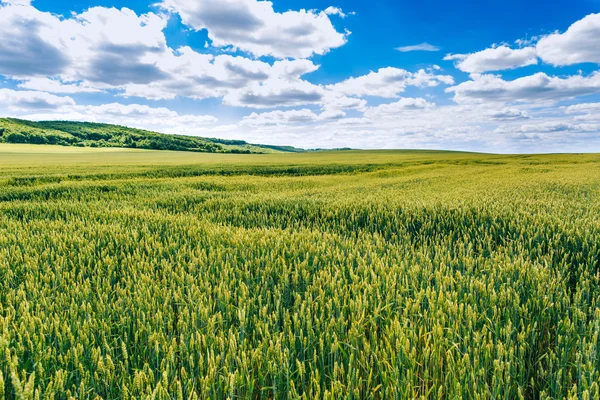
(32, 155)
(356, 274)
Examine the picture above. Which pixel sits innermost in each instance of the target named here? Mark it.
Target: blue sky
(498, 76)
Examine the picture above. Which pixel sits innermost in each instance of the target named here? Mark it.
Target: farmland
(129, 273)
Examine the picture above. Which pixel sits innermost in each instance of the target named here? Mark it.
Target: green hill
(86, 134)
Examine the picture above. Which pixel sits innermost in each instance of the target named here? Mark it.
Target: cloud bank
(262, 68)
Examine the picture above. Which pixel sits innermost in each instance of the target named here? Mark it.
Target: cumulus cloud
(18, 100)
(255, 27)
(337, 11)
(418, 47)
(396, 109)
(120, 53)
(579, 44)
(142, 111)
(427, 127)
(334, 101)
(583, 108)
(389, 82)
(108, 49)
(116, 47)
(201, 76)
(584, 112)
(28, 42)
(56, 86)
(411, 123)
(537, 87)
(17, 2)
(101, 45)
(549, 127)
(274, 93)
(405, 123)
(355, 122)
(594, 117)
(546, 127)
(494, 59)
(52, 107)
(291, 117)
(332, 115)
(509, 114)
(279, 118)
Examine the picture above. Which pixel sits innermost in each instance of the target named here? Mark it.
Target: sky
(500, 76)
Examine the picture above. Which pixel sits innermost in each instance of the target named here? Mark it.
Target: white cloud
(396, 109)
(290, 117)
(133, 115)
(195, 75)
(546, 127)
(17, 2)
(406, 123)
(280, 117)
(56, 86)
(255, 27)
(120, 53)
(537, 87)
(108, 49)
(494, 59)
(583, 108)
(274, 93)
(454, 57)
(588, 118)
(335, 101)
(115, 47)
(389, 82)
(509, 114)
(201, 76)
(549, 127)
(18, 100)
(104, 46)
(584, 112)
(337, 11)
(527, 41)
(293, 69)
(142, 115)
(418, 47)
(355, 122)
(579, 44)
(28, 42)
(332, 115)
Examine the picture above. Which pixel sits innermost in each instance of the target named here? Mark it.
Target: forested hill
(86, 134)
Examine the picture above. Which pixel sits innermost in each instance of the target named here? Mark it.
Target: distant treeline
(86, 134)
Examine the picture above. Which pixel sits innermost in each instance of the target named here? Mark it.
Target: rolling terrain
(128, 273)
(87, 134)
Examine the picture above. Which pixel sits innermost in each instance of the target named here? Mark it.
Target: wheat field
(334, 275)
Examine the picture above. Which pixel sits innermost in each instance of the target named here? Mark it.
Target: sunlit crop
(338, 275)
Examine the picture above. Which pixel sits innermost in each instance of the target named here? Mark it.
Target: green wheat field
(131, 274)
